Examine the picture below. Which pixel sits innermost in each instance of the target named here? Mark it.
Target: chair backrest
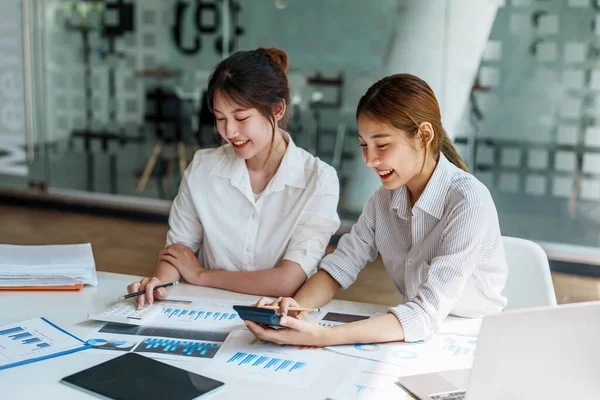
(529, 281)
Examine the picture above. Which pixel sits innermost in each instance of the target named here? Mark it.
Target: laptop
(541, 353)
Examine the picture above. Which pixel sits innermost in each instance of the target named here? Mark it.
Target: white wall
(442, 42)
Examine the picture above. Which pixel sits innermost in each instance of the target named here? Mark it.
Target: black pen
(130, 295)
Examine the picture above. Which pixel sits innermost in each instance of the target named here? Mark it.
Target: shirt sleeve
(316, 225)
(354, 250)
(185, 226)
(464, 245)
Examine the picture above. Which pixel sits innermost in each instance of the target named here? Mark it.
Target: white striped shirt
(444, 255)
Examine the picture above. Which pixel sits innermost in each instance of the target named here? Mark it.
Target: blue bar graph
(248, 359)
(20, 335)
(190, 348)
(298, 365)
(284, 365)
(196, 315)
(265, 362)
(26, 338)
(260, 360)
(11, 330)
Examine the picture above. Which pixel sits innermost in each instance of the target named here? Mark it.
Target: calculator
(126, 312)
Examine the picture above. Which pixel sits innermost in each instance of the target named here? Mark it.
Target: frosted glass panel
(538, 146)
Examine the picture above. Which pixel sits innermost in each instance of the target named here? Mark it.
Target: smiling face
(396, 158)
(249, 132)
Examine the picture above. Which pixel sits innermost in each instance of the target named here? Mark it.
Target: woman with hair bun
(256, 214)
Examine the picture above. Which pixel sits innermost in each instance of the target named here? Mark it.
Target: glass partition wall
(118, 103)
(122, 82)
(533, 123)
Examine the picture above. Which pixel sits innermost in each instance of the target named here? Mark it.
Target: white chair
(529, 281)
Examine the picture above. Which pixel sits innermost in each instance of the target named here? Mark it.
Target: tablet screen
(132, 376)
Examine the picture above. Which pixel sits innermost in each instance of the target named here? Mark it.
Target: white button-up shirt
(215, 212)
(445, 255)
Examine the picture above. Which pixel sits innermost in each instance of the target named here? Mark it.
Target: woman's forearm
(282, 281)
(385, 328)
(318, 290)
(166, 272)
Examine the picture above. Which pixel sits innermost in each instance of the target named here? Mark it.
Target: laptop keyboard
(456, 395)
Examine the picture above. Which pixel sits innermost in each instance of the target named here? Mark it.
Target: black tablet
(132, 376)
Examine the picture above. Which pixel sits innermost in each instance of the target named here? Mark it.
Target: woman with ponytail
(433, 223)
(256, 214)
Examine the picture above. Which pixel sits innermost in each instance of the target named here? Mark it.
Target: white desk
(69, 311)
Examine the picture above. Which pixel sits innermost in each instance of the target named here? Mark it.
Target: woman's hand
(299, 332)
(147, 284)
(184, 259)
(284, 303)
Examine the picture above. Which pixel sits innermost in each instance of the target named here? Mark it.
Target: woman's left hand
(184, 259)
(299, 332)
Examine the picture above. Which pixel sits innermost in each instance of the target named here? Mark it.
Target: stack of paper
(47, 266)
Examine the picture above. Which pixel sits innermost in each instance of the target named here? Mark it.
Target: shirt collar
(290, 171)
(432, 199)
(400, 202)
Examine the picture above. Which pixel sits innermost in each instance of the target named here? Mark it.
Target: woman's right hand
(284, 303)
(147, 284)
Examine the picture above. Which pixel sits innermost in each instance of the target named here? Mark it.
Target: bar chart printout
(178, 314)
(242, 356)
(173, 342)
(19, 334)
(187, 348)
(276, 364)
(200, 313)
(34, 339)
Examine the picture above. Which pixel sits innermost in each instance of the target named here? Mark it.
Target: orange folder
(59, 288)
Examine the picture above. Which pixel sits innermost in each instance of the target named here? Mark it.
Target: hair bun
(278, 56)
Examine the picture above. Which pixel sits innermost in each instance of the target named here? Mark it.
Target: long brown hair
(405, 101)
